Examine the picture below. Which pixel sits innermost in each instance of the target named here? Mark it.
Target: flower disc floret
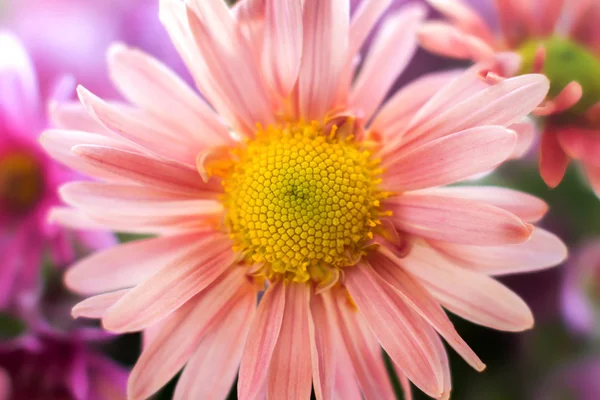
(302, 202)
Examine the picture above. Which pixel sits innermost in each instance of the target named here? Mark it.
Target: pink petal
(450, 159)
(322, 346)
(444, 39)
(182, 332)
(503, 103)
(290, 372)
(150, 138)
(152, 86)
(581, 144)
(547, 16)
(390, 53)
(326, 26)
(398, 111)
(141, 169)
(363, 350)
(282, 46)
(553, 160)
(5, 385)
(264, 334)
(456, 220)
(363, 21)
(525, 206)
(73, 218)
(224, 48)
(73, 116)
(405, 384)
(542, 250)
(409, 291)
(211, 371)
(128, 264)
(471, 295)
(526, 134)
(516, 19)
(171, 287)
(96, 306)
(464, 17)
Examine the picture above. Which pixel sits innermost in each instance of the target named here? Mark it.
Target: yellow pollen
(20, 182)
(302, 203)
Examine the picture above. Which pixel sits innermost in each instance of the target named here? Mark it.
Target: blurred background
(558, 359)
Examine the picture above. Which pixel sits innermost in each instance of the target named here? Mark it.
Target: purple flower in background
(29, 181)
(581, 291)
(72, 36)
(576, 381)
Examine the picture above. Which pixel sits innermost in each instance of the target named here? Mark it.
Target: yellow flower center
(566, 61)
(20, 182)
(301, 203)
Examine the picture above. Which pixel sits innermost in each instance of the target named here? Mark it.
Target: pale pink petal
(447, 40)
(136, 129)
(471, 295)
(4, 385)
(258, 352)
(503, 103)
(464, 17)
(581, 144)
(567, 98)
(290, 372)
(411, 292)
(456, 220)
(182, 332)
(450, 159)
(73, 116)
(364, 19)
(322, 347)
(211, 371)
(282, 46)
(73, 218)
(405, 384)
(553, 160)
(526, 134)
(141, 168)
(96, 306)
(388, 56)
(397, 112)
(542, 250)
(516, 20)
(128, 264)
(326, 26)
(363, 351)
(224, 48)
(525, 206)
(171, 287)
(345, 385)
(152, 86)
(58, 143)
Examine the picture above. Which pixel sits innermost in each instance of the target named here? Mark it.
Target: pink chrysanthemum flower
(304, 183)
(557, 37)
(29, 181)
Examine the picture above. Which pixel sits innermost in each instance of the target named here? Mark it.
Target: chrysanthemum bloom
(302, 185)
(557, 37)
(580, 295)
(29, 180)
(45, 356)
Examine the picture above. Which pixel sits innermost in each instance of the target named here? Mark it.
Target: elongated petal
(456, 220)
(73, 116)
(290, 372)
(152, 86)
(128, 264)
(471, 295)
(210, 372)
(142, 169)
(325, 43)
(182, 332)
(398, 329)
(322, 347)
(581, 144)
(451, 158)
(258, 352)
(73, 218)
(465, 18)
(388, 56)
(363, 21)
(171, 286)
(96, 306)
(415, 295)
(282, 46)
(541, 251)
(553, 160)
(503, 103)
(363, 350)
(525, 206)
(445, 39)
